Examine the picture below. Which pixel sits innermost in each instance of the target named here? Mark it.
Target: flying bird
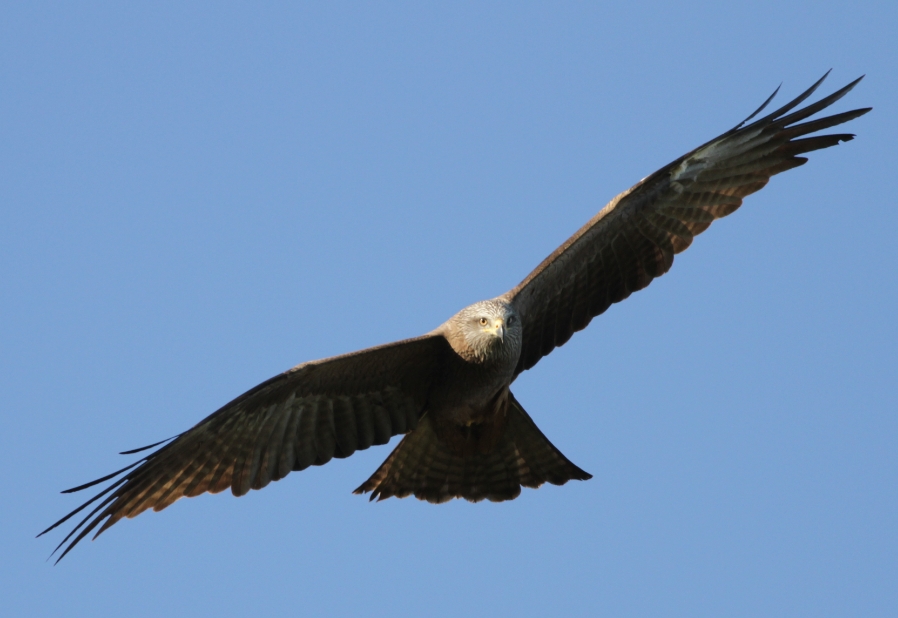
(448, 391)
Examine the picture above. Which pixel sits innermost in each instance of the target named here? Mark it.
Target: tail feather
(424, 465)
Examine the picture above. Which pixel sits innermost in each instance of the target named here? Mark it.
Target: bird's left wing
(304, 416)
(634, 238)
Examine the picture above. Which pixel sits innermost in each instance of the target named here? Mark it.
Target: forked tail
(424, 464)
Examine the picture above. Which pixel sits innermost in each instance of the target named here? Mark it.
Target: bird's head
(485, 330)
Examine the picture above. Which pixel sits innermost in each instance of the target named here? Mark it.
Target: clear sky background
(195, 197)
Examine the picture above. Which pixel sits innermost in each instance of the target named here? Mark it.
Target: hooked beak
(499, 326)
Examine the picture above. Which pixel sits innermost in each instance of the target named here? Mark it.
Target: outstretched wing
(634, 238)
(302, 417)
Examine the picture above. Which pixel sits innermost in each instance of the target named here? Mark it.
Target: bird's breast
(467, 392)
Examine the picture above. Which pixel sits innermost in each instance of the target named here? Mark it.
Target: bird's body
(474, 440)
(483, 364)
(466, 436)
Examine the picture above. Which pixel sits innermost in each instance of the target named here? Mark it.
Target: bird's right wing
(634, 238)
(304, 416)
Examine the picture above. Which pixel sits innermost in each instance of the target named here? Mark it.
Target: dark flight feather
(334, 407)
(637, 234)
(240, 445)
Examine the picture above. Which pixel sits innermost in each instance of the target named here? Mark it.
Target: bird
(465, 435)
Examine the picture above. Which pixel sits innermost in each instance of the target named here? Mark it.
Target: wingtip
(72, 490)
(144, 448)
(760, 109)
(852, 84)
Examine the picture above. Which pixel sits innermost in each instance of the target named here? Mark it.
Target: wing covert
(305, 416)
(634, 238)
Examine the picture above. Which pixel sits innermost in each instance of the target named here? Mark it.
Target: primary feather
(448, 391)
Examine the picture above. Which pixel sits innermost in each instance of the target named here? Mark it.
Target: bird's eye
(510, 320)
(484, 321)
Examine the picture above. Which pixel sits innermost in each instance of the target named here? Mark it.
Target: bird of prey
(465, 433)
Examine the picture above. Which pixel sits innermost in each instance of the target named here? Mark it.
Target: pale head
(490, 329)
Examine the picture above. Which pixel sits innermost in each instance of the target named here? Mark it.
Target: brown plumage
(466, 436)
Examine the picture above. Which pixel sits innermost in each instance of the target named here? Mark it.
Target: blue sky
(196, 197)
